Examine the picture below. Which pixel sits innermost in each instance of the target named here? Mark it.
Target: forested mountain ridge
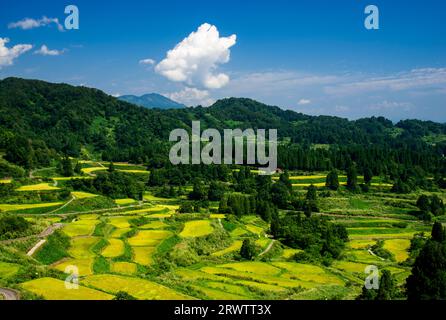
(67, 119)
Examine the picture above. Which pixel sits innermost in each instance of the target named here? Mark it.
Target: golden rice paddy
(38, 187)
(53, 289)
(139, 288)
(197, 228)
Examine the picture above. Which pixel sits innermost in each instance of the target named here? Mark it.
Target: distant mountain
(152, 100)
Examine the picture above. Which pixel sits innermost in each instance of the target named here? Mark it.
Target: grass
(38, 187)
(53, 289)
(288, 253)
(399, 248)
(222, 294)
(197, 228)
(114, 249)
(18, 207)
(255, 229)
(235, 246)
(8, 270)
(139, 288)
(54, 249)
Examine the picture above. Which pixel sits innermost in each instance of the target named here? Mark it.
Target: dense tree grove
(315, 235)
(428, 278)
(114, 185)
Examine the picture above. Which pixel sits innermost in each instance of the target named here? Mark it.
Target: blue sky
(313, 56)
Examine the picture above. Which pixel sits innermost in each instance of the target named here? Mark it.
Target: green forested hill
(38, 119)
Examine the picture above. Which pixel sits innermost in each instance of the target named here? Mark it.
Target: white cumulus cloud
(28, 23)
(147, 61)
(303, 102)
(45, 51)
(7, 55)
(191, 97)
(195, 59)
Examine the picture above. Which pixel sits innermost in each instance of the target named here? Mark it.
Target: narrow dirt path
(35, 248)
(373, 254)
(267, 248)
(60, 208)
(9, 294)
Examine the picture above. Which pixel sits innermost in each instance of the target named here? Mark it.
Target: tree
(387, 286)
(437, 206)
(67, 168)
(122, 295)
(285, 179)
(352, 178)
(438, 232)
(216, 191)
(423, 203)
(368, 175)
(198, 192)
(78, 168)
(428, 278)
(248, 250)
(387, 289)
(111, 167)
(332, 180)
(311, 193)
(280, 195)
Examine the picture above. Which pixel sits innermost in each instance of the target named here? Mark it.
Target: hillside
(151, 101)
(71, 120)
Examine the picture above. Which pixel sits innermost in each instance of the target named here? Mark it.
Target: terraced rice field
(139, 288)
(124, 267)
(80, 228)
(122, 202)
(6, 181)
(399, 248)
(19, 207)
(235, 246)
(154, 225)
(84, 266)
(81, 247)
(93, 169)
(196, 228)
(38, 187)
(143, 255)
(114, 249)
(83, 195)
(120, 222)
(149, 238)
(53, 289)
